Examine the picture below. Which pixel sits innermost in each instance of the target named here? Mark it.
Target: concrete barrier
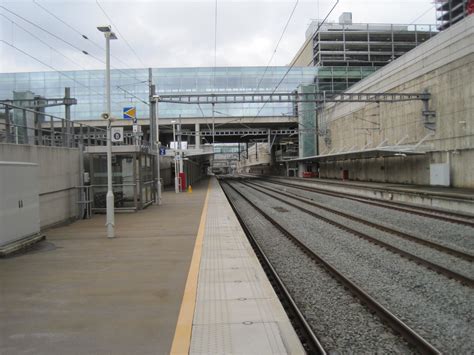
(58, 178)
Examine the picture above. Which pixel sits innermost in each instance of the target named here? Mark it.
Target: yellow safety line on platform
(182, 334)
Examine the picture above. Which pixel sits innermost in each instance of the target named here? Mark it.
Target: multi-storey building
(346, 52)
(451, 11)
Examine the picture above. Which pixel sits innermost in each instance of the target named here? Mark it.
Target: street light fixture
(110, 223)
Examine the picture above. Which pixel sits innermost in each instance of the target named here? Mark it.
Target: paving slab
(236, 309)
(81, 293)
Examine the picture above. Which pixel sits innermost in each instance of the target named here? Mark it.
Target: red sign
(470, 7)
(182, 177)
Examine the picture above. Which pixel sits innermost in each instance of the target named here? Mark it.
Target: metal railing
(22, 125)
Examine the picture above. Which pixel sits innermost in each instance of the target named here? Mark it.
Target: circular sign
(117, 136)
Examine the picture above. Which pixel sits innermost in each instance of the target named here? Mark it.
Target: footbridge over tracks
(226, 129)
(234, 128)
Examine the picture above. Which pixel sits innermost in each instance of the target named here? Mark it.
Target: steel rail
(399, 233)
(418, 210)
(428, 264)
(410, 335)
(310, 341)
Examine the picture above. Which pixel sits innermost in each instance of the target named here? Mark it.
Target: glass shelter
(132, 177)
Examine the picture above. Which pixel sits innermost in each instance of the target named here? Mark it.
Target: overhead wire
(100, 47)
(214, 71)
(77, 31)
(215, 45)
(60, 19)
(423, 14)
(294, 61)
(45, 43)
(71, 45)
(277, 45)
(133, 95)
(202, 113)
(45, 30)
(121, 35)
(52, 48)
(276, 48)
(64, 41)
(42, 41)
(50, 67)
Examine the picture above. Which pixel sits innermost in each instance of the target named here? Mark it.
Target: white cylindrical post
(110, 223)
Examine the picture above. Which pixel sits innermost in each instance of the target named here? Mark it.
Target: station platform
(180, 278)
(229, 306)
(441, 191)
(436, 197)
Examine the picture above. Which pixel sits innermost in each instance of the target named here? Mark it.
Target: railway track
(309, 340)
(422, 241)
(398, 206)
(430, 265)
(397, 325)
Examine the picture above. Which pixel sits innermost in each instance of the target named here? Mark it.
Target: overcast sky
(177, 33)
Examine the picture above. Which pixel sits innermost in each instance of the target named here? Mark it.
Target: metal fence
(22, 125)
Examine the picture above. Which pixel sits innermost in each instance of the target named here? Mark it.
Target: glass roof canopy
(130, 88)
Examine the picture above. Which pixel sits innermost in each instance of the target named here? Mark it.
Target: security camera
(105, 116)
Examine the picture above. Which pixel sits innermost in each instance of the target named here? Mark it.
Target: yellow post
(190, 189)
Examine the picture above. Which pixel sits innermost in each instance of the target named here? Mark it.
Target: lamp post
(110, 223)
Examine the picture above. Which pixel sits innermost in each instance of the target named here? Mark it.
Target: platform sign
(162, 150)
(117, 134)
(129, 113)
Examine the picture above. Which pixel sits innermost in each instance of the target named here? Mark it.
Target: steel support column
(67, 116)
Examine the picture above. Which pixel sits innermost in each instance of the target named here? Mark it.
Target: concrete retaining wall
(444, 66)
(58, 177)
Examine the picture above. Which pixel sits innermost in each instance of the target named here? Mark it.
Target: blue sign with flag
(162, 150)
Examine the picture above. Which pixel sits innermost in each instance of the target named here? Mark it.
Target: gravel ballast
(450, 234)
(340, 322)
(439, 309)
(448, 261)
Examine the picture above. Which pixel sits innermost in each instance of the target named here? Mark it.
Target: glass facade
(129, 87)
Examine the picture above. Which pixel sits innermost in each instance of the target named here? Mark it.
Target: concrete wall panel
(58, 178)
(444, 66)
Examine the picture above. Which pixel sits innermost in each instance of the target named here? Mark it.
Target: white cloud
(181, 33)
